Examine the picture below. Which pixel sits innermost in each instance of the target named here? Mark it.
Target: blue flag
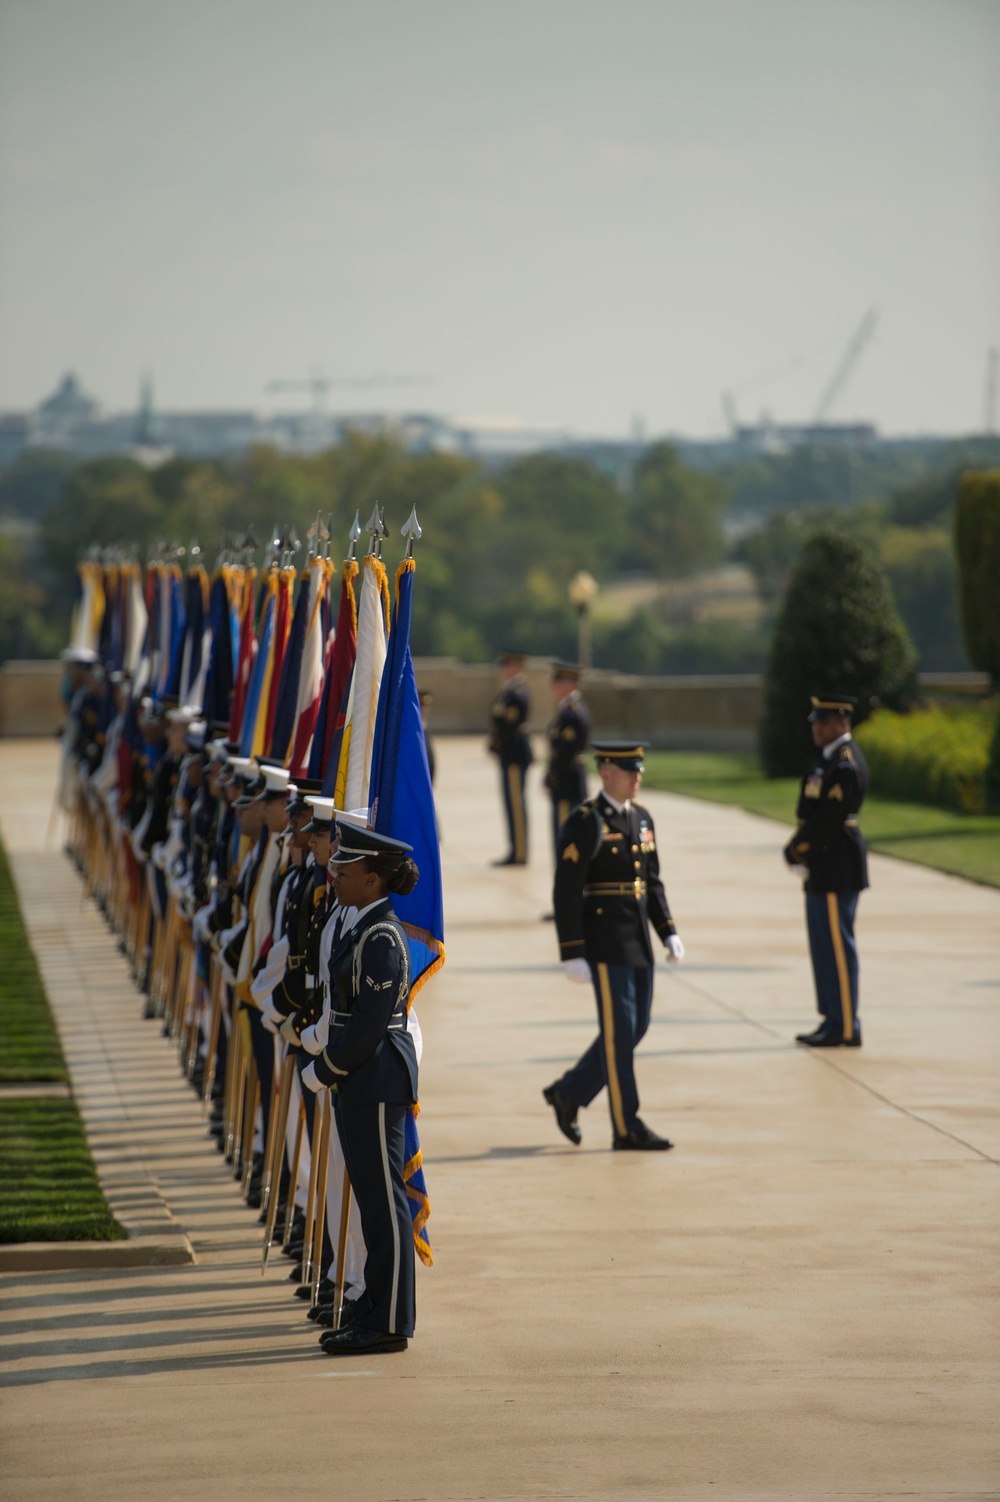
(402, 799)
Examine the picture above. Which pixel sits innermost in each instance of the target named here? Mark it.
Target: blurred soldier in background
(569, 732)
(828, 850)
(510, 744)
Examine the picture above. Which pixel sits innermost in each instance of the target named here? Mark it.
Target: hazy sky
(562, 211)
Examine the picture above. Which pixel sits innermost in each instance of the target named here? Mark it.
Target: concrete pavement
(799, 1301)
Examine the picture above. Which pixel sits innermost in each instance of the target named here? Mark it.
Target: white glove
(308, 1078)
(269, 1026)
(414, 1030)
(798, 868)
(578, 971)
(287, 1031)
(675, 950)
(268, 1008)
(159, 854)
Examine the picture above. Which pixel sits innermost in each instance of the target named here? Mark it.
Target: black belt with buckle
(634, 889)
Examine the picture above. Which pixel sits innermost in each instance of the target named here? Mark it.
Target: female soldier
(370, 1065)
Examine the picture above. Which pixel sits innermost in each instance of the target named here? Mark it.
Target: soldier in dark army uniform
(829, 850)
(370, 1063)
(607, 893)
(569, 732)
(510, 744)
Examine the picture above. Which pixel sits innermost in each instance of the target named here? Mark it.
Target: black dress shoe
(356, 1340)
(565, 1114)
(322, 1314)
(826, 1037)
(641, 1140)
(325, 1291)
(508, 860)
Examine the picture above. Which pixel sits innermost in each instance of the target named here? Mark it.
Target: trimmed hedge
(937, 755)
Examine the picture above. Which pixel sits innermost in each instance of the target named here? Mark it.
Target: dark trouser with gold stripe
(512, 777)
(561, 810)
(830, 921)
(624, 1001)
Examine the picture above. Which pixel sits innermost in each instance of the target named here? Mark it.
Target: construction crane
(845, 368)
(320, 385)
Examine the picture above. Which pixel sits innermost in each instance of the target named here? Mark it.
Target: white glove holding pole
(675, 950)
(577, 971)
(309, 1079)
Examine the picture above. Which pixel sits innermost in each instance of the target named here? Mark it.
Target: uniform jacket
(828, 839)
(307, 908)
(161, 794)
(569, 732)
(370, 1055)
(607, 887)
(508, 714)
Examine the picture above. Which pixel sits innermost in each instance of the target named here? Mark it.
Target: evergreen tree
(838, 632)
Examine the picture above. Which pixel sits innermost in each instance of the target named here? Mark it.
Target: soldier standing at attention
(829, 850)
(569, 732)
(510, 744)
(607, 893)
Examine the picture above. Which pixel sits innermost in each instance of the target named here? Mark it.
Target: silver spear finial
(412, 531)
(353, 536)
(373, 529)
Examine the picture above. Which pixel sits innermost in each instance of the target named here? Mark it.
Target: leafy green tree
(32, 485)
(28, 625)
(838, 632)
(920, 564)
(675, 514)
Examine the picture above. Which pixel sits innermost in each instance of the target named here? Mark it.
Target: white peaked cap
(276, 779)
(324, 807)
(356, 816)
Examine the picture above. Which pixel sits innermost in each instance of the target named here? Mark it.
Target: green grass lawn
(963, 844)
(50, 1186)
(29, 1043)
(50, 1190)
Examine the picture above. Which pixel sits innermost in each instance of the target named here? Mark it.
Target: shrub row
(937, 755)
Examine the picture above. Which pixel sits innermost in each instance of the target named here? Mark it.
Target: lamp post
(581, 590)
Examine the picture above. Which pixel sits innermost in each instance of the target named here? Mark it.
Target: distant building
(72, 421)
(768, 437)
(61, 417)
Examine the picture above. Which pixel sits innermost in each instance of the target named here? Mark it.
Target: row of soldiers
(213, 868)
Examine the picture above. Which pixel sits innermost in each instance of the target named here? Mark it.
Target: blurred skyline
(565, 213)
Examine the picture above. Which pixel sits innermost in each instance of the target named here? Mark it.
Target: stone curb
(55, 1256)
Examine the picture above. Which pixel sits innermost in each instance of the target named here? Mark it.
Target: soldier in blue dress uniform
(569, 733)
(607, 893)
(370, 1065)
(510, 744)
(829, 850)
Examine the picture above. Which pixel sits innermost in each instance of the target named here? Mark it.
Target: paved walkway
(796, 1303)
